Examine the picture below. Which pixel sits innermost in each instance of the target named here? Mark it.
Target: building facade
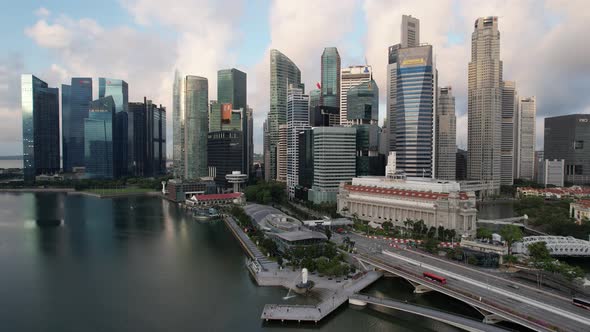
(224, 154)
(552, 172)
(567, 137)
(446, 135)
(191, 126)
(149, 139)
(232, 88)
(509, 144)
(437, 203)
(122, 126)
(100, 135)
(297, 121)
(527, 115)
(334, 152)
(282, 154)
(75, 101)
(283, 72)
(330, 86)
(484, 104)
(40, 121)
(414, 111)
(349, 77)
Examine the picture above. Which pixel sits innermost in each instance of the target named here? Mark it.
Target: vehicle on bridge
(434, 277)
(582, 303)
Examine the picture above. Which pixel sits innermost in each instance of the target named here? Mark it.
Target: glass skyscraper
(75, 101)
(414, 111)
(231, 88)
(122, 126)
(330, 88)
(446, 135)
(99, 138)
(283, 72)
(40, 118)
(363, 113)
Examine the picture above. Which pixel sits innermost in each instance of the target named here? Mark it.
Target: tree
(387, 226)
(510, 234)
(431, 245)
(483, 233)
(538, 251)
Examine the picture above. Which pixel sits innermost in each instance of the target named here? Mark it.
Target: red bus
(582, 303)
(434, 277)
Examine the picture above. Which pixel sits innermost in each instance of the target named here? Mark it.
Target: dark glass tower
(99, 138)
(330, 95)
(224, 152)
(231, 88)
(123, 139)
(149, 138)
(40, 116)
(75, 100)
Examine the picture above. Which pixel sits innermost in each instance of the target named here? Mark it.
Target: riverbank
(98, 193)
(37, 190)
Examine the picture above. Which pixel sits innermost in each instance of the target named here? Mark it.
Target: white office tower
(446, 136)
(509, 133)
(349, 77)
(527, 113)
(410, 31)
(297, 121)
(484, 105)
(282, 154)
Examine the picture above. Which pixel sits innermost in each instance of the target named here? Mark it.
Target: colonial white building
(437, 202)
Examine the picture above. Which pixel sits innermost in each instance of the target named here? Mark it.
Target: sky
(544, 47)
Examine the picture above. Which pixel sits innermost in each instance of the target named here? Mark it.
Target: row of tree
(266, 192)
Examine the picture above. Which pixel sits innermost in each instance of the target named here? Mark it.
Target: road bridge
(496, 298)
(517, 221)
(465, 323)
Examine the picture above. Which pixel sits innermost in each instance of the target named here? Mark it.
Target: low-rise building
(580, 210)
(217, 199)
(554, 193)
(436, 202)
(179, 191)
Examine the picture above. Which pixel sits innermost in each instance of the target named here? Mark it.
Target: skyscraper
(99, 138)
(414, 111)
(410, 31)
(231, 88)
(330, 94)
(40, 116)
(297, 121)
(282, 154)
(363, 114)
(527, 114)
(484, 104)
(191, 126)
(509, 134)
(350, 77)
(149, 138)
(75, 100)
(446, 137)
(123, 138)
(283, 72)
(567, 137)
(333, 161)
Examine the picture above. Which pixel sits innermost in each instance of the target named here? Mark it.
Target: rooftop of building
(213, 197)
(574, 190)
(584, 203)
(301, 235)
(417, 194)
(408, 184)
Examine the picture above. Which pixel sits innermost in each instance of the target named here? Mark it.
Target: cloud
(11, 67)
(42, 12)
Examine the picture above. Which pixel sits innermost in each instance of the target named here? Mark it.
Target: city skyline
(49, 35)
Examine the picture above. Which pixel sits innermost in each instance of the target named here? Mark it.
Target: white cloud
(42, 12)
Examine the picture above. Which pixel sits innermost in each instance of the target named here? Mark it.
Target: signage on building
(411, 62)
(226, 113)
(582, 120)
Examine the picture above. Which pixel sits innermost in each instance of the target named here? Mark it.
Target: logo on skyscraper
(366, 69)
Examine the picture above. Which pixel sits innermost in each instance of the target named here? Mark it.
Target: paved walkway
(332, 295)
(250, 246)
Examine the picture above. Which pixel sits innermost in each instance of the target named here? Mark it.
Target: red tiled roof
(559, 191)
(401, 192)
(212, 197)
(583, 202)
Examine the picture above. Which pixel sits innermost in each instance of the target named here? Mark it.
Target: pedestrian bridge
(517, 221)
(557, 245)
(461, 322)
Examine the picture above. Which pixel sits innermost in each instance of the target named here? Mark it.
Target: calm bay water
(10, 163)
(140, 264)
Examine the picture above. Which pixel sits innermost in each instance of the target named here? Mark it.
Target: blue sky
(143, 41)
